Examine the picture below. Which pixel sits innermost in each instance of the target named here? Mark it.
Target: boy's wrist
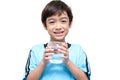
(67, 62)
(43, 63)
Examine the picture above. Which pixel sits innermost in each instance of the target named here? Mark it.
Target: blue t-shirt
(57, 71)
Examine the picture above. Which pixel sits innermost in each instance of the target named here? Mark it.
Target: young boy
(57, 19)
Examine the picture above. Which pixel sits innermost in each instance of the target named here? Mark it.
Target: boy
(57, 19)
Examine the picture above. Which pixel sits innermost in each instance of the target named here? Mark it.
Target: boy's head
(56, 7)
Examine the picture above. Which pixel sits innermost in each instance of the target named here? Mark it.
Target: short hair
(56, 7)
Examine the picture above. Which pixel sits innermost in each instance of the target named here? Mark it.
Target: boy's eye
(63, 21)
(51, 22)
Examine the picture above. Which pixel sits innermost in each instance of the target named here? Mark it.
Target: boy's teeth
(58, 32)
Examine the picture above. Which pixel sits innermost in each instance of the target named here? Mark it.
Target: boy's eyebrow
(64, 18)
(50, 19)
(60, 18)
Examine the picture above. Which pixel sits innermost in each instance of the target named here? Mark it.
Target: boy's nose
(58, 27)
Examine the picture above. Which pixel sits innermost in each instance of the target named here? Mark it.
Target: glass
(56, 57)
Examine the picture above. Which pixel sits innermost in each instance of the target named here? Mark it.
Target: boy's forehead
(63, 14)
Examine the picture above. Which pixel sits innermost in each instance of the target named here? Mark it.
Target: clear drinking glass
(56, 57)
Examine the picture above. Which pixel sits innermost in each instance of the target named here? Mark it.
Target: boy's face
(58, 26)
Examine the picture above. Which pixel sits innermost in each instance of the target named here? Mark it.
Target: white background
(96, 27)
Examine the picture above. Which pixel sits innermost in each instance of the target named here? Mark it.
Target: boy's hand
(64, 50)
(48, 52)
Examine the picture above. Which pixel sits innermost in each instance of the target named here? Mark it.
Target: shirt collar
(69, 45)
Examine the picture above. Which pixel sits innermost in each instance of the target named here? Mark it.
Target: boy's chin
(59, 39)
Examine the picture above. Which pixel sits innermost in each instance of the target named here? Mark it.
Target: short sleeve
(88, 71)
(83, 63)
(31, 63)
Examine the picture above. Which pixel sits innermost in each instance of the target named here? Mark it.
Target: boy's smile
(58, 33)
(58, 26)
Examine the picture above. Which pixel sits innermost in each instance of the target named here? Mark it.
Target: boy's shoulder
(75, 45)
(38, 46)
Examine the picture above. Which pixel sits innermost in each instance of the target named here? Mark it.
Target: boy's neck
(54, 40)
(57, 40)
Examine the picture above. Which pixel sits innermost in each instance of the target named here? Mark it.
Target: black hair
(56, 7)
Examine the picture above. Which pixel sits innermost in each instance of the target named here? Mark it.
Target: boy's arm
(78, 74)
(35, 74)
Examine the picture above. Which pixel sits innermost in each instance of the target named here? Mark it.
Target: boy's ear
(45, 27)
(71, 24)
